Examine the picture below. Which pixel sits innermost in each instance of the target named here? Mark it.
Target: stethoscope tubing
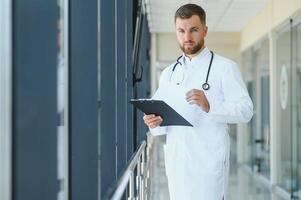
(205, 85)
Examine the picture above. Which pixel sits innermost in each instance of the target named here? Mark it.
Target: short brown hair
(187, 10)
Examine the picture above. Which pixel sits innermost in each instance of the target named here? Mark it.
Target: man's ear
(205, 31)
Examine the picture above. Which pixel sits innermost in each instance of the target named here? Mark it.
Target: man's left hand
(199, 98)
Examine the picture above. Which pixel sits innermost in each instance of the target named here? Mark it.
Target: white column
(5, 99)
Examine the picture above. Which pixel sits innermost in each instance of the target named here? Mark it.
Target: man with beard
(197, 158)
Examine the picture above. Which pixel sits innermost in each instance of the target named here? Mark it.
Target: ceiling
(222, 15)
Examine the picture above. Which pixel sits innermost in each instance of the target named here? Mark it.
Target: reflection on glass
(296, 83)
(263, 135)
(252, 130)
(250, 76)
(61, 98)
(284, 111)
(257, 73)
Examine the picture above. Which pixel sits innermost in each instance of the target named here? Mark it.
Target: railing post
(131, 187)
(138, 178)
(143, 174)
(136, 173)
(147, 175)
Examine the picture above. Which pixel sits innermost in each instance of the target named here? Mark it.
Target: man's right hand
(152, 121)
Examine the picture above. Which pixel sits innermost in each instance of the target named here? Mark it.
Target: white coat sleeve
(237, 106)
(160, 130)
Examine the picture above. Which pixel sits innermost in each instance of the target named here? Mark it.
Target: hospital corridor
(150, 100)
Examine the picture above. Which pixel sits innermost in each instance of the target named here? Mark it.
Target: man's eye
(194, 30)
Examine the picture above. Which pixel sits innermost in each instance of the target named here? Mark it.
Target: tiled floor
(243, 185)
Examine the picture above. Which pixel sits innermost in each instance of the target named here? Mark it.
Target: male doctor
(197, 158)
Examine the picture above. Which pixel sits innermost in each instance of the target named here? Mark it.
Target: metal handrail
(127, 179)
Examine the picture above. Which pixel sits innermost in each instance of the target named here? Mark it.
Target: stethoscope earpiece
(206, 85)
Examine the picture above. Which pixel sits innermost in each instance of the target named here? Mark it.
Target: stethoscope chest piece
(206, 86)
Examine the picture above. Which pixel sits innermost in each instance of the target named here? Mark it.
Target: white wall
(274, 14)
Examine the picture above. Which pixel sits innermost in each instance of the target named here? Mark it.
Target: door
(262, 140)
(296, 110)
(284, 109)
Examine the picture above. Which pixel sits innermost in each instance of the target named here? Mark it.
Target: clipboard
(160, 108)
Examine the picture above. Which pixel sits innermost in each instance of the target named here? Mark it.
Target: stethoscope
(205, 85)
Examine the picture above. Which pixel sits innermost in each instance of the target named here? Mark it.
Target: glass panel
(256, 63)
(251, 129)
(262, 140)
(265, 125)
(233, 139)
(284, 113)
(61, 100)
(249, 74)
(296, 84)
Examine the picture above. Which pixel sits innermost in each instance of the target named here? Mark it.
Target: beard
(192, 49)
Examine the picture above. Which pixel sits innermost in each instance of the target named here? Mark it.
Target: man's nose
(187, 36)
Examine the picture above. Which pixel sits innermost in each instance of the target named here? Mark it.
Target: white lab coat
(197, 158)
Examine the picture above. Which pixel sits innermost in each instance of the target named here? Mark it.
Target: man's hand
(152, 121)
(199, 98)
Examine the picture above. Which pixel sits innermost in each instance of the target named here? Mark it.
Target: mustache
(188, 42)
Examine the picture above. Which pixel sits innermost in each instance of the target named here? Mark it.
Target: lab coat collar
(200, 56)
